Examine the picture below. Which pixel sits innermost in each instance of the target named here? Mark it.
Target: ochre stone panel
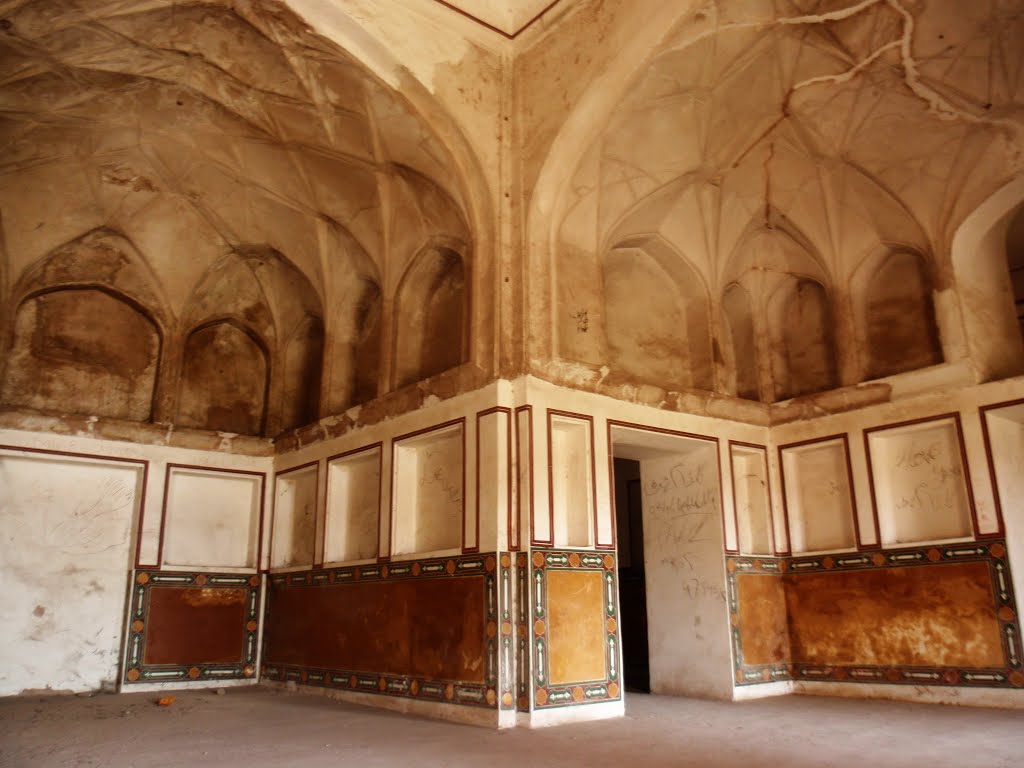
(576, 632)
(933, 615)
(431, 628)
(187, 626)
(763, 632)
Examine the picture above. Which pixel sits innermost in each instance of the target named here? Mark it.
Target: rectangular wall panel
(818, 495)
(186, 627)
(494, 521)
(212, 518)
(571, 479)
(919, 484)
(293, 539)
(575, 649)
(352, 522)
(429, 484)
(422, 629)
(525, 502)
(926, 616)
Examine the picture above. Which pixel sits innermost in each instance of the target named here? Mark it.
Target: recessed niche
(571, 475)
(524, 473)
(212, 518)
(1003, 427)
(353, 506)
(754, 532)
(428, 494)
(919, 483)
(294, 536)
(818, 495)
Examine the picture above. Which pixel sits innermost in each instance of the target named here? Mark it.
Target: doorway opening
(674, 616)
(636, 666)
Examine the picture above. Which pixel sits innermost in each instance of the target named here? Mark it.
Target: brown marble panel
(431, 628)
(933, 615)
(576, 626)
(764, 633)
(186, 626)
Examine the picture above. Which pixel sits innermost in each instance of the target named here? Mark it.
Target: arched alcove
(261, 291)
(803, 351)
(83, 350)
(224, 379)
(981, 261)
(656, 315)
(430, 316)
(739, 321)
(899, 318)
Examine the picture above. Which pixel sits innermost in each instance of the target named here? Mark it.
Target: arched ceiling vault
(857, 123)
(195, 129)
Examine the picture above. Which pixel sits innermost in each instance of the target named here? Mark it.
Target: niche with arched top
(899, 317)
(268, 316)
(739, 320)
(223, 381)
(83, 350)
(803, 352)
(430, 319)
(656, 316)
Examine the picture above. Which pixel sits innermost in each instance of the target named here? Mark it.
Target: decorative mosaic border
(443, 691)
(991, 552)
(522, 633)
(545, 695)
(135, 668)
(506, 667)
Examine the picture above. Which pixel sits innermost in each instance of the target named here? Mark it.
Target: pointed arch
(657, 314)
(224, 379)
(978, 256)
(895, 314)
(83, 349)
(260, 293)
(431, 309)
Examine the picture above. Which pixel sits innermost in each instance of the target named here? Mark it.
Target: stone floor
(258, 728)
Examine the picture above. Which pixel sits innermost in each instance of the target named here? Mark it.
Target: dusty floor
(259, 728)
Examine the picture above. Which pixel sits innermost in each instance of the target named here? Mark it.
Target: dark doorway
(636, 671)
